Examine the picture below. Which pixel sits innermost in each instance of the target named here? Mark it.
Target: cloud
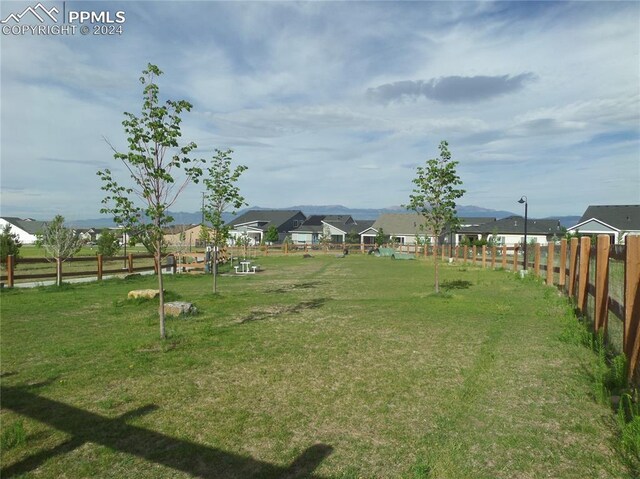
(451, 89)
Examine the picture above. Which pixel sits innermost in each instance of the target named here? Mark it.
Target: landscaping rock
(178, 308)
(143, 293)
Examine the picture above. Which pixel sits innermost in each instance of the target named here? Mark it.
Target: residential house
(183, 236)
(510, 231)
(449, 236)
(403, 228)
(26, 228)
(254, 224)
(91, 235)
(337, 227)
(617, 221)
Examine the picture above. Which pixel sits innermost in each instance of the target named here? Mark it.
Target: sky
(332, 102)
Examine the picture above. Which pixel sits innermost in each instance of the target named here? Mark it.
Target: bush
(9, 244)
(108, 244)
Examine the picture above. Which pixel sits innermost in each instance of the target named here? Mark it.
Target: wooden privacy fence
(82, 266)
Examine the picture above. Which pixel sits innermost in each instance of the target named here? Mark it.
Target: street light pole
(521, 201)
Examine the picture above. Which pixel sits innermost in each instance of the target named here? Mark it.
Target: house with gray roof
(617, 221)
(403, 228)
(510, 231)
(25, 228)
(337, 227)
(253, 224)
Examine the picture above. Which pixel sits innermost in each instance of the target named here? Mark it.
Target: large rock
(178, 308)
(143, 293)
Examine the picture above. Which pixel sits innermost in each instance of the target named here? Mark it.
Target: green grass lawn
(319, 367)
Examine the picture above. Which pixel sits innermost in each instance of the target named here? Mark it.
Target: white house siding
(301, 238)
(595, 227)
(511, 240)
(337, 236)
(23, 236)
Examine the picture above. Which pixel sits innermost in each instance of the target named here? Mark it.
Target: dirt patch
(279, 310)
(295, 287)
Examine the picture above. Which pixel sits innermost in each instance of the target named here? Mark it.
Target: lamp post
(521, 201)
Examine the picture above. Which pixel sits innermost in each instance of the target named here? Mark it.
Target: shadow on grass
(456, 284)
(178, 454)
(295, 287)
(277, 310)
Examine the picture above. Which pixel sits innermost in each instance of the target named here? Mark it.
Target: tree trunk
(215, 269)
(58, 271)
(158, 259)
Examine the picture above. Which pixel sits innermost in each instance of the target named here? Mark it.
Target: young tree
(9, 244)
(153, 161)
(108, 243)
(222, 192)
(434, 197)
(380, 238)
(272, 236)
(352, 237)
(59, 242)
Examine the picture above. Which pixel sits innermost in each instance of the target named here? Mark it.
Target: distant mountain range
(182, 217)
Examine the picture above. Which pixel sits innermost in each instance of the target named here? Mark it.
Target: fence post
(536, 261)
(130, 263)
(563, 263)
(550, 262)
(583, 275)
(515, 258)
(631, 339)
(504, 256)
(474, 253)
(573, 266)
(602, 284)
(484, 255)
(11, 265)
(493, 257)
(174, 263)
(465, 252)
(99, 267)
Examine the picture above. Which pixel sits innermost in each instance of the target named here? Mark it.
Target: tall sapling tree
(222, 192)
(434, 197)
(159, 169)
(59, 242)
(9, 244)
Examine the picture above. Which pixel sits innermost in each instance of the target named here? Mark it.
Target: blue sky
(337, 102)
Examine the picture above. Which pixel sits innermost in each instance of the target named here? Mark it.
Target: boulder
(143, 293)
(178, 308)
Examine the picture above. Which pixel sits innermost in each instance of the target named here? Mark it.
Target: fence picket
(602, 284)
(631, 333)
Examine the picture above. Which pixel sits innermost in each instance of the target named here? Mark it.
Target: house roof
(363, 225)
(475, 220)
(266, 218)
(515, 225)
(621, 217)
(29, 225)
(177, 229)
(400, 223)
(315, 223)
